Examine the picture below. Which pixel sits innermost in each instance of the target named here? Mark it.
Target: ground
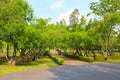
(90, 71)
(71, 70)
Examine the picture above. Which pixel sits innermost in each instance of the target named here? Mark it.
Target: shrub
(82, 58)
(45, 53)
(87, 59)
(57, 59)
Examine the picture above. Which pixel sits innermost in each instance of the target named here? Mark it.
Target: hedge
(82, 58)
(44, 53)
(56, 59)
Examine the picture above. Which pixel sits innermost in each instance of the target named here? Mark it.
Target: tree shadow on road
(86, 72)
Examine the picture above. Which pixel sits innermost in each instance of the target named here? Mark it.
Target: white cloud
(89, 17)
(57, 4)
(65, 16)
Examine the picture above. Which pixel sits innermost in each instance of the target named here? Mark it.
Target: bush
(114, 57)
(57, 59)
(87, 59)
(82, 58)
(45, 53)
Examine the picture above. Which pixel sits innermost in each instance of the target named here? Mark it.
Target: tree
(103, 7)
(74, 17)
(108, 10)
(61, 23)
(14, 14)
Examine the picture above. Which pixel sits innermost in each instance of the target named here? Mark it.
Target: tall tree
(14, 14)
(109, 11)
(74, 17)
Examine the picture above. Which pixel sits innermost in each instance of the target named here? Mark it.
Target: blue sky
(59, 9)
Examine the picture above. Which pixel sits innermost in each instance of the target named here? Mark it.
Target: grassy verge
(41, 63)
(113, 58)
(109, 60)
(99, 58)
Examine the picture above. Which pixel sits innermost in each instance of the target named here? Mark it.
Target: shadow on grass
(26, 64)
(3, 60)
(43, 62)
(40, 61)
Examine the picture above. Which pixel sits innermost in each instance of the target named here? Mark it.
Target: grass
(99, 58)
(114, 58)
(1, 54)
(108, 61)
(41, 63)
(116, 53)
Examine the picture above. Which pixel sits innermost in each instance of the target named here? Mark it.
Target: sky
(59, 9)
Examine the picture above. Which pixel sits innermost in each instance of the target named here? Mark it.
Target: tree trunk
(80, 52)
(36, 54)
(77, 52)
(108, 42)
(15, 50)
(22, 53)
(94, 55)
(7, 56)
(86, 54)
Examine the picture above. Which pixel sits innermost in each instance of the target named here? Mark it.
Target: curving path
(68, 61)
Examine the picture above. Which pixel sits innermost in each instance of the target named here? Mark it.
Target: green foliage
(109, 12)
(57, 59)
(30, 37)
(105, 6)
(82, 58)
(87, 59)
(16, 15)
(45, 53)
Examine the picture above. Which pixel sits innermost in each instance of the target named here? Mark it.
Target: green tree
(108, 10)
(14, 14)
(104, 7)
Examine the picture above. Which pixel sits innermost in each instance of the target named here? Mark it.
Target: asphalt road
(90, 71)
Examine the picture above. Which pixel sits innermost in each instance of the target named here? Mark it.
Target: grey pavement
(90, 71)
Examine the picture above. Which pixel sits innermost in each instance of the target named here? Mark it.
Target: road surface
(89, 71)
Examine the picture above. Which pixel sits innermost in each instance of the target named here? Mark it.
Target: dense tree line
(23, 35)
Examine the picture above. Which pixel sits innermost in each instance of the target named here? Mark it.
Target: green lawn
(109, 60)
(100, 58)
(41, 63)
(115, 58)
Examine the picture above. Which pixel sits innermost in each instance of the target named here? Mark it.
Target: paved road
(90, 71)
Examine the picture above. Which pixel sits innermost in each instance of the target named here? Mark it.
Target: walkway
(68, 61)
